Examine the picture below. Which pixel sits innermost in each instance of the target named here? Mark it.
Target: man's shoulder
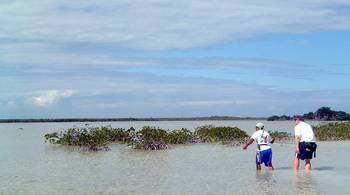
(301, 125)
(305, 125)
(256, 133)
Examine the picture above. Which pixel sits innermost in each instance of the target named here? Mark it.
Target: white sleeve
(297, 131)
(254, 136)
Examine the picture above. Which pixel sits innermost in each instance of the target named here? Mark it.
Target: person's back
(264, 151)
(305, 143)
(263, 140)
(304, 130)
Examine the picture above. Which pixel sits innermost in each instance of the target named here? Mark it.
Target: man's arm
(272, 140)
(297, 141)
(250, 141)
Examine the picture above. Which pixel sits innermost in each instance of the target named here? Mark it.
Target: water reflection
(304, 183)
(264, 182)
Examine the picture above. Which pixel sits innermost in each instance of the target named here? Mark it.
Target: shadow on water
(284, 168)
(324, 168)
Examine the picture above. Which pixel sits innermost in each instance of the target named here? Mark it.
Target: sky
(165, 58)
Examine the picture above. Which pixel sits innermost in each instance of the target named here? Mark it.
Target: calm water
(30, 166)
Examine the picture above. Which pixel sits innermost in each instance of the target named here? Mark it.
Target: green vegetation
(149, 138)
(279, 118)
(323, 113)
(280, 135)
(326, 113)
(215, 134)
(182, 136)
(333, 131)
(94, 138)
(58, 120)
(152, 138)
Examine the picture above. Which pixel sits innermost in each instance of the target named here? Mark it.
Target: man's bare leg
(258, 167)
(271, 167)
(307, 165)
(296, 163)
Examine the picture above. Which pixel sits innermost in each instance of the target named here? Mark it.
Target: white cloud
(39, 57)
(11, 103)
(165, 24)
(51, 96)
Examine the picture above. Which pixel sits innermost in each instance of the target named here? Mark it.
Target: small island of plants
(333, 131)
(153, 138)
(149, 138)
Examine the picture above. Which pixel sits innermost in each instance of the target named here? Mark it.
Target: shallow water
(30, 166)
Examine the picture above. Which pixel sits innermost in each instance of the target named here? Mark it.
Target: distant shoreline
(57, 120)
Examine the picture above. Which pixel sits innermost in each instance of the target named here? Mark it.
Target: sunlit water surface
(28, 165)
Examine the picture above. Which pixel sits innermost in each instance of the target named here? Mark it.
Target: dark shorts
(265, 157)
(306, 150)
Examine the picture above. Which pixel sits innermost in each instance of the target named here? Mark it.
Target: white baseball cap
(259, 125)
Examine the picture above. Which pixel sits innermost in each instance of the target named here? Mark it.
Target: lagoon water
(28, 165)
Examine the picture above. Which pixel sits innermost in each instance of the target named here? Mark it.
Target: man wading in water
(305, 143)
(264, 152)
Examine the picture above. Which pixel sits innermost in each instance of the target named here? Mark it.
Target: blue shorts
(306, 150)
(265, 157)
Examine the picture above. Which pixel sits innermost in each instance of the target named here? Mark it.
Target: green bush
(214, 134)
(149, 138)
(95, 138)
(333, 131)
(280, 135)
(182, 136)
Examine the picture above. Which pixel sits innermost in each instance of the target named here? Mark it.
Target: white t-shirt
(305, 132)
(263, 139)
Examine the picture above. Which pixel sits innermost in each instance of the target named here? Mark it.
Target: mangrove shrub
(210, 133)
(149, 138)
(333, 131)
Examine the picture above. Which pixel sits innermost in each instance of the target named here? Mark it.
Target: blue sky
(173, 59)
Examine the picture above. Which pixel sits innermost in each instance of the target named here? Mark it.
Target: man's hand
(250, 141)
(297, 150)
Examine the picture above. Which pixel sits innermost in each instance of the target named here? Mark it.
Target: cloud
(89, 46)
(165, 24)
(11, 103)
(145, 95)
(273, 72)
(50, 97)
(38, 57)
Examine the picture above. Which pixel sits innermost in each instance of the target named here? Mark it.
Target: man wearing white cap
(264, 151)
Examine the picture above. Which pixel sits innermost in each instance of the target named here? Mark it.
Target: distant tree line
(57, 120)
(323, 113)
